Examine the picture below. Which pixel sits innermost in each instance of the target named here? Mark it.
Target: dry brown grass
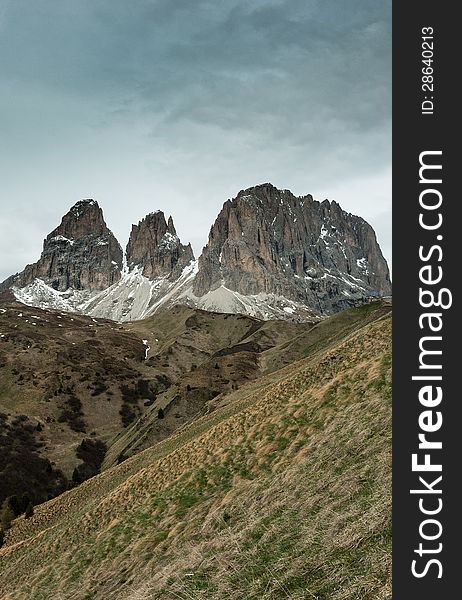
(282, 493)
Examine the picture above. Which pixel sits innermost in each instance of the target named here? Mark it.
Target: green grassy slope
(247, 348)
(282, 492)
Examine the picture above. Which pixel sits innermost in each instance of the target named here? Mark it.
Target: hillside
(283, 491)
(70, 384)
(201, 386)
(63, 378)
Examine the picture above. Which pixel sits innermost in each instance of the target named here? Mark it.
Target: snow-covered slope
(41, 295)
(263, 306)
(132, 297)
(135, 297)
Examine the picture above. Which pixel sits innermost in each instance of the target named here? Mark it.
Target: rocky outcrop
(270, 254)
(81, 253)
(155, 248)
(269, 241)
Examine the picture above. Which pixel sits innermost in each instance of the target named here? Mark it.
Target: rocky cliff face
(81, 253)
(270, 254)
(269, 241)
(155, 248)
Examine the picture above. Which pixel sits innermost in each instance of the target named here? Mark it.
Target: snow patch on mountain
(136, 297)
(363, 264)
(262, 305)
(41, 295)
(61, 238)
(131, 298)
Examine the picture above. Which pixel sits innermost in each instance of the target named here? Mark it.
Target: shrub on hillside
(127, 414)
(132, 394)
(92, 453)
(24, 473)
(6, 516)
(72, 414)
(18, 504)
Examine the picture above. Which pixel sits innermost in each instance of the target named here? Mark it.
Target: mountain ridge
(269, 254)
(268, 240)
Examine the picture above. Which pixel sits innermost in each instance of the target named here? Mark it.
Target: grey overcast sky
(179, 104)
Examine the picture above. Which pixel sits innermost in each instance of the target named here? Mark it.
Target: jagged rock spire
(155, 248)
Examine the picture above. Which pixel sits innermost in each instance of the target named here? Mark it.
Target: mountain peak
(83, 219)
(268, 241)
(269, 254)
(83, 206)
(170, 226)
(259, 188)
(85, 202)
(155, 248)
(81, 253)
